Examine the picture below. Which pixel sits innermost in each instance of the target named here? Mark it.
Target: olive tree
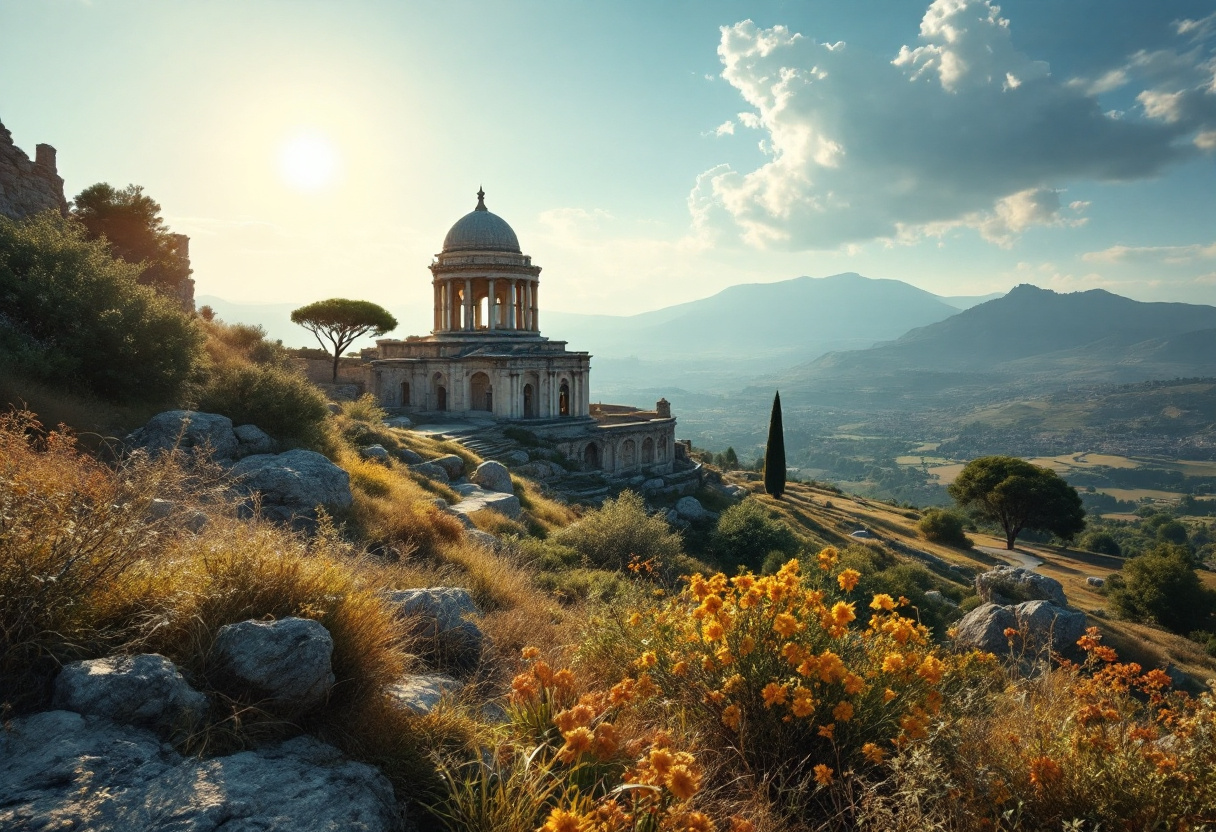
(340, 321)
(1018, 495)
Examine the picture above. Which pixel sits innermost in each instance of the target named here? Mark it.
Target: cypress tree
(774, 452)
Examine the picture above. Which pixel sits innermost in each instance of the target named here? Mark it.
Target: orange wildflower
(827, 558)
(774, 694)
(848, 579)
(683, 782)
(843, 711)
(560, 820)
(578, 741)
(785, 624)
(823, 775)
(731, 717)
(529, 653)
(882, 601)
(872, 753)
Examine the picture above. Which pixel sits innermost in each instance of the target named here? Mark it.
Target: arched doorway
(481, 395)
(647, 451)
(591, 456)
(563, 399)
(405, 394)
(529, 403)
(629, 454)
(441, 398)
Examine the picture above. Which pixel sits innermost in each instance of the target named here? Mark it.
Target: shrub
(945, 527)
(746, 534)
(366, 408)
(278, 400)
(75, 316)
(1162, 586)
(622, 530)
(1103, 543)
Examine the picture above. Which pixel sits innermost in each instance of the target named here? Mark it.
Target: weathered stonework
(28, 187)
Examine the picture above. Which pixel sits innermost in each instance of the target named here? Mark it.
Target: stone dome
(479, 230)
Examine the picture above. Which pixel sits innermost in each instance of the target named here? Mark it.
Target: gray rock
(431, 471)
(675, 520)
(160, 509)
(254, 440)
(60, 770)
(984, 628)
(376, 453)
(420, 693)
(464, 518)
(440, 613)
(145, 690)
(689, 508)
(485, 539)
(297, 481)
(399, 422)
(409, 457)
(515, 458)
(334, 408)
(652, 486)
(286, 662)
(935, 596)
(1013, 584)
(474, 498)
(541, 470)
(493, 476)
(450, 463)
(187, 430)
(1095, 581)
(1044, 624)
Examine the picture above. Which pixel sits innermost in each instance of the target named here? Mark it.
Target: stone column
(443, 306)
(435, 285)
(511, 306)
(536, 306)
(468, 304)
(528, 305)
(490, 307)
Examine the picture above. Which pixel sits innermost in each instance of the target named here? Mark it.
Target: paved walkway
(1016, 557)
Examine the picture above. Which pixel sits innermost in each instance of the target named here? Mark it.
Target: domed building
(485, 357)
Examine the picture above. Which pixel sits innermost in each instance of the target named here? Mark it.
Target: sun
(308, 161)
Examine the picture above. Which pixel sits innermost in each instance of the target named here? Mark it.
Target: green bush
(366, 408)
(746, 534)
(1162, 586)
(945, 527)
(279, 401)
(1103, 543)
(612, 536)
(72, 315)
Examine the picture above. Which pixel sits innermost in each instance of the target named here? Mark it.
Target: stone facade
(28, 187)
(486, 358)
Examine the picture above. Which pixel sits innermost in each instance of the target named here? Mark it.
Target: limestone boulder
(481, 538)
(295, 482)
(253, 440)
(493, 476)
(421, 693)
(145, 690)
(935, 596)
(375, 453)
(399, 422)
(690, 509)
(984, 628)
(1014, 584)
(474, 498)
(653, 485)
(431, 471)
(61, 770)
(334, 408)
(441, 614)
(541, 470)
(409, 457)
(452, 465)
(187, 430)
(1043, 624)
(286, 662)
(515, 458)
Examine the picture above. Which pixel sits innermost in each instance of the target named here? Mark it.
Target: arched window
(481, 395)
(563, 399)
(647, 451)
(529, 403)
(629, 454)
(405, 394)
(591, 456)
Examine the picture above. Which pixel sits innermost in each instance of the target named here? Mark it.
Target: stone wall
(28, 187)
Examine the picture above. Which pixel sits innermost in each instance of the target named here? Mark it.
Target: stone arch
(439, 391)
(405, 394)
(629, 454)
(591, 456)
(647, 451)
(529, 402)
(481, 392)
(563, 398)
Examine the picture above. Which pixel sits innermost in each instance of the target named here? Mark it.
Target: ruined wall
(28, 187)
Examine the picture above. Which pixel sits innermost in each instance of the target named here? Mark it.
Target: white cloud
(1171, 255)
(726, 128)
(959, 130)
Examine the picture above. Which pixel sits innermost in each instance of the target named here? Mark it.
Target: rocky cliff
(28, 187)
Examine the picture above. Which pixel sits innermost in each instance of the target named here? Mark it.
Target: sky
(645, 153)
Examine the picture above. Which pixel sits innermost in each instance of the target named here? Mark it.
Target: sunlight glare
(308, 162)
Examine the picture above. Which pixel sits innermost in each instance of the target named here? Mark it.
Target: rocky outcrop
(1039, 625)
(690, 509)
(431, 471)
(440, 615)
(493, 476)
(28, 187)
(451, 464)
(146, 691)
(1014, 584)
(421, 692)
(375, 453)
(474, 498)
(253, 440)
(61, 770)
(187, 430)
(285, 662)
(293, 484)
(984, 628)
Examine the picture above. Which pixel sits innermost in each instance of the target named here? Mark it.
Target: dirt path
(1017, 557)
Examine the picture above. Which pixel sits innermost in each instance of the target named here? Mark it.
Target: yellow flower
(731, 716)
(724, 657)
(853, 684)
(647, 659)
(734, 683)
(529, 653)
(893, 663)
(931, 669)
(578, 741)
(848, 579)
(827, 558)
(872, 753)
(743, 582)
(842, 613)
(774, 694)
(696, 822)
(882, 601)
(746, 645)
(606, 740)
(888, 695)
(661, 760)
(738, 824)
(564, 679)
(785, 625)
(714, 631)
(560, 820)
(635, 619)
(843, 711)
(826, 731)
(680, 668)
(831, 667)
(823, 775)
(803, 705)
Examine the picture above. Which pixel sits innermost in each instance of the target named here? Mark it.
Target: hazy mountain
(1034, 333)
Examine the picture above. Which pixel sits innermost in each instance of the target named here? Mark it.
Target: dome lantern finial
(481, 199)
